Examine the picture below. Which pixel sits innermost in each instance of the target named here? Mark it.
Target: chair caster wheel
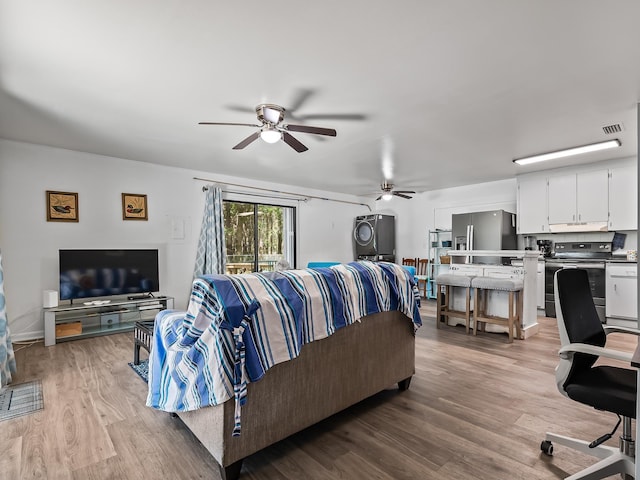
(547, 447)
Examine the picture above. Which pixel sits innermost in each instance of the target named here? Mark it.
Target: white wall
(30, 244)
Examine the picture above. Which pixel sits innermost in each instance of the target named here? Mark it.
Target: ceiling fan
(388, 192)
(295, 109)
(272, 129)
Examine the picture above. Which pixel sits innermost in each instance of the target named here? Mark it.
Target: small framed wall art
(62, 206)
(134, 206)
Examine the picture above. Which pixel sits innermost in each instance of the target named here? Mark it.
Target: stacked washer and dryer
(374, 238)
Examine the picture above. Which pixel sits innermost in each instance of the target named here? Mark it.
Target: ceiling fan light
(270, 135)
(387, 196)
(271, 115)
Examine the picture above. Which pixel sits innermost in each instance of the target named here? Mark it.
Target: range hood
(578, 227)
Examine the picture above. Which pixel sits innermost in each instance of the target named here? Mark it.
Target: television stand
(73, 322)
(140, 297)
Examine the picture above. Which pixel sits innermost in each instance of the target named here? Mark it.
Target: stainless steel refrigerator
(493, 230)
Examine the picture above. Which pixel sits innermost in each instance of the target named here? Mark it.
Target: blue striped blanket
(238, 326)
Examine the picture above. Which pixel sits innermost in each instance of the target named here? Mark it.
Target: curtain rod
(304, 197)
(261, 195)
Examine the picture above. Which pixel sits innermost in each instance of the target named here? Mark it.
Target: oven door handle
(599, 266)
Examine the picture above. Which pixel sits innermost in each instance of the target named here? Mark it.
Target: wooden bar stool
(443, 304)
(481, 286)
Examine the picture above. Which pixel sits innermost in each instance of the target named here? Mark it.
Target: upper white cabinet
(532, 205)
(593, 196)
(579, 197)
(623, 198)
(579, 200)
(562, 199)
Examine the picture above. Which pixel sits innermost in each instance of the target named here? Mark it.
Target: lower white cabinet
(622, 291)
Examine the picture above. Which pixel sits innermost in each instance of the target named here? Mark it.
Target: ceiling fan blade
(404, 191)
(308, 129)
(293, 143)
(329, 116)
(379, 198)
(301, 97)
(251, 138)
(240, 108)
(227, 123)
(401, 195)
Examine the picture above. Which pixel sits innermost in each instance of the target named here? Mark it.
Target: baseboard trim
(530, 330)
(27, 336)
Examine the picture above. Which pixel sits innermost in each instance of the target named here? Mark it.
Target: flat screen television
(99, 273)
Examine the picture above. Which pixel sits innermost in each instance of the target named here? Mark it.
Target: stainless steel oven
(588, 256)
(595, 272)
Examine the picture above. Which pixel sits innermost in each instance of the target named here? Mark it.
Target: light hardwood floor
(477, 409)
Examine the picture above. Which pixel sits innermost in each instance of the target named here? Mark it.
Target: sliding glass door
(258, 236)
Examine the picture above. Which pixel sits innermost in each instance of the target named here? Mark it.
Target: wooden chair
(422, 276)
(411, 262)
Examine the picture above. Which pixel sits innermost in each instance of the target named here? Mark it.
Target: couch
(328, 376)
(258, 357)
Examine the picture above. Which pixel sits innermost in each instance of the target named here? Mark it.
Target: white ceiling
(452, 91)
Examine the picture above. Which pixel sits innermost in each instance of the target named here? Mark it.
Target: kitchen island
(463, 264)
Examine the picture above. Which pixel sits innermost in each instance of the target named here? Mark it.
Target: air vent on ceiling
(613, 128)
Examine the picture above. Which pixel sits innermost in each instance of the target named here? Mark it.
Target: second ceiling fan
(388, 192)
(272, 129)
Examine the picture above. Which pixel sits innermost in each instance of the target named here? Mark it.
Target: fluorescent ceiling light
(594, 147)
(270, 135)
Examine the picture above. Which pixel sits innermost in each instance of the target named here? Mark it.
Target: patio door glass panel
(258, 236)
(239, 236)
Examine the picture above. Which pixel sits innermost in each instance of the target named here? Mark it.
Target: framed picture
(62, 206)
(134, 206)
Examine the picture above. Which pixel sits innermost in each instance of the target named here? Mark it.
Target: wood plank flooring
(477, 408)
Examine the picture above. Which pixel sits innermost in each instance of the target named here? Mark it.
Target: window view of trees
(255, 236)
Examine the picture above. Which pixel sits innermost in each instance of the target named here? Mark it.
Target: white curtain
(211, 255)
(7, 358)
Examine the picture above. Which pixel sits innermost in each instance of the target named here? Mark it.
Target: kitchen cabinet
(623, 198)
(532, 205)
(579, 197)
(592, 196)
(562, 199)
(622, 290)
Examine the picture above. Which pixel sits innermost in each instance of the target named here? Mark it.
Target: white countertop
(495, 253)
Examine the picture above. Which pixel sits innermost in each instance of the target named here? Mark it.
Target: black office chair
(608, 388)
